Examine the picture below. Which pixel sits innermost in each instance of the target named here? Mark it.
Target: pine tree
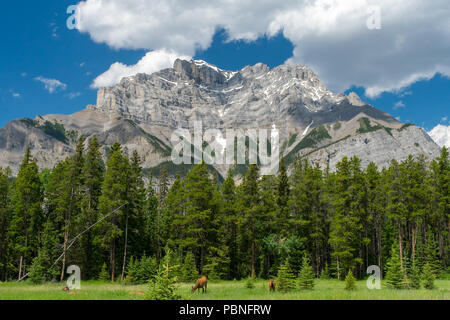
(282, 198)
(69, 199)
(415, 278)
(104, 274)
(93, 173)
(432, 255)
(114, 193)
(325, 275)
(5, 219)
(306, 276)
(163, 286)
(151, 216)
(27, 215)
(134, 219)
(196, 224)
(286, 278)
(395, 274)
(43, 268)
(188, 270)
(250, 203)
(440, 177)
(229, 212)
(346, 224)
(350, 281)
(428, 276)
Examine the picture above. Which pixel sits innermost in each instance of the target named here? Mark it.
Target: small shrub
(250, 283)
(350, 281)
(104, 274)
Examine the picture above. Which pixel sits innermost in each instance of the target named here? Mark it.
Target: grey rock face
(143, 110)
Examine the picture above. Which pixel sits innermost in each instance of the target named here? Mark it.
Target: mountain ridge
(142, 111)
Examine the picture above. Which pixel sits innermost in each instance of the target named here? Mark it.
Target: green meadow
(221, 290)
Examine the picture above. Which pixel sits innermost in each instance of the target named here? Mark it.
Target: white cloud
(444, 119)
(15, 94)
(441, 135)
(52, 85)
(399, 105)
(331, 36)
(151, 62)
(73, 95)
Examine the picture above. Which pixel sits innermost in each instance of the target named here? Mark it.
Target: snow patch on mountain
(441, 135)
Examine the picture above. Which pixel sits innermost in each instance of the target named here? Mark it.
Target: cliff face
(143, 110)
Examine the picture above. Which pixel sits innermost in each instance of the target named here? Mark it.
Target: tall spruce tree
(93, 173)
(114, 193)
(5, 220)
(27, 217)
(251, 210)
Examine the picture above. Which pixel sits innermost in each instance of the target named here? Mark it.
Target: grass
(221, 290)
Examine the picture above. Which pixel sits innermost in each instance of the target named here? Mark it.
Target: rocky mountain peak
(142, 111)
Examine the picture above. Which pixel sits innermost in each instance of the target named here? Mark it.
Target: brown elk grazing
(201, 283)
(66, 289)
(272, 285)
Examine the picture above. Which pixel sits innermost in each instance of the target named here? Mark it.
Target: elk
(201, 283)
(272, 285)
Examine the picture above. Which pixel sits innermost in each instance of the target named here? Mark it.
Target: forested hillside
(114, 225)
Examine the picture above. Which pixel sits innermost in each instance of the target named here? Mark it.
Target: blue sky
(36, 44)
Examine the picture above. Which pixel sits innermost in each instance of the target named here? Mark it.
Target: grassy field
(221, 290)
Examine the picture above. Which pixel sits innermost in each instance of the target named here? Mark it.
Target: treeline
(113, 222)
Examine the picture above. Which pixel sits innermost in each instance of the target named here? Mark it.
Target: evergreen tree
(27, 216)
(346, 224)
(151, 216)
(114, 194)
(428, 277)
(134, 219)
(43, 268)
(197, 221)
(229, 213)
(415, 278)
(188, 270)
(325, 275)
(306, 276)
(92, 177)
(395, 274)
(350, 281)
(251, 205)
(163, 286)
(283, 217)
(432, 255)
(286, 278)
(104, 274)
(69, 199)
(5, 219)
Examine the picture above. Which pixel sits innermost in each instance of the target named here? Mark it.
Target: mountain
(441, 134)
(142, 111)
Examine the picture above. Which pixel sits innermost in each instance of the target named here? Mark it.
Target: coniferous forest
(117, 223)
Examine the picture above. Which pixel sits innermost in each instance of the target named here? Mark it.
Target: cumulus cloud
(330, 36)
(151, 62)
(52, 85)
